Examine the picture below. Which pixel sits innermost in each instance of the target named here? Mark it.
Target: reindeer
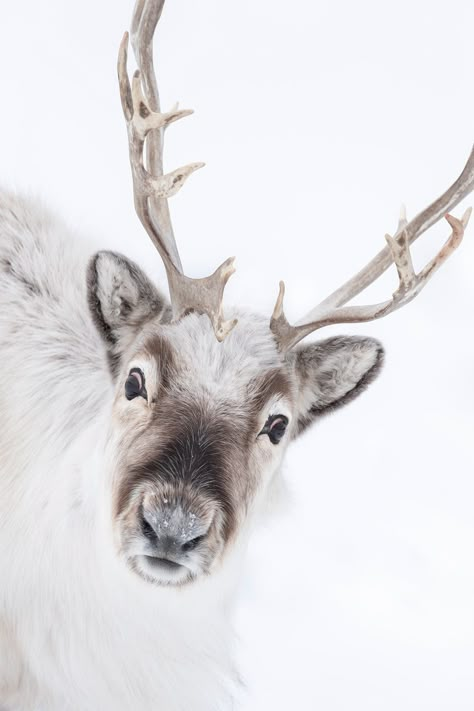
(145, 436)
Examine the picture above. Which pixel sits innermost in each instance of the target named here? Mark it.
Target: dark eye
(275, 428)
(135, 384)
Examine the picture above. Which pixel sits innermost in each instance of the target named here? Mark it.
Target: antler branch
(145, 128)
(144, 21)
(333, 310)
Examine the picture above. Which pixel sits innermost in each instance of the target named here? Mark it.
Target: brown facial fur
(198, 452)
(199, 444)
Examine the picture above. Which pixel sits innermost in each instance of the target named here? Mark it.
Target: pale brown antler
(145, 126)
(333, 310)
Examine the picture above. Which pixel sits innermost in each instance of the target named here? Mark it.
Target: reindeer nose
(173, 533)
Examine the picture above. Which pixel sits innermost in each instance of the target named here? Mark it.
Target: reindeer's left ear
(121, 300)
(331, 373)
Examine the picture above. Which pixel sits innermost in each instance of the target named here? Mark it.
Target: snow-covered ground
(316, 120)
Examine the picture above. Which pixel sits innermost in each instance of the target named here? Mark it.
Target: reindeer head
(205, 407)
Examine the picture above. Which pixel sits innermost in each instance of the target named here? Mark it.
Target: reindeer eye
(135, 384)
(275, 428)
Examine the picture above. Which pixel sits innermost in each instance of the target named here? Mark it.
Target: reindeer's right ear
(121, 300)
(331, 373)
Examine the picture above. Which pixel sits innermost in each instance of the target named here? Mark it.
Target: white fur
(79, 631)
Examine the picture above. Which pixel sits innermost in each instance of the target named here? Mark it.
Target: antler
(145, 126)
(332, 309)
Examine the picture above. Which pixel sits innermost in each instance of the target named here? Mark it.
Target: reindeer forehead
(188, 356)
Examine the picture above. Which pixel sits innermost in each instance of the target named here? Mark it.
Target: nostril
(191, 545)
(147, 529)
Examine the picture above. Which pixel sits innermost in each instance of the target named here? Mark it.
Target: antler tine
(332, 309)
(145, 127)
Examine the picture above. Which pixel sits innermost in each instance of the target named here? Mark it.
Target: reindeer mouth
(161, 571)
(163, 563)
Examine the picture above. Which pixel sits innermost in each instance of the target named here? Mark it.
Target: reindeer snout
(173, 533)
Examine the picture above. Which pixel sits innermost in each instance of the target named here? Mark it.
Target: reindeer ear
(331, 373)
(121, 300)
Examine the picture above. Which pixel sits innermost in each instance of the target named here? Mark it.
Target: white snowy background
(316, 120)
